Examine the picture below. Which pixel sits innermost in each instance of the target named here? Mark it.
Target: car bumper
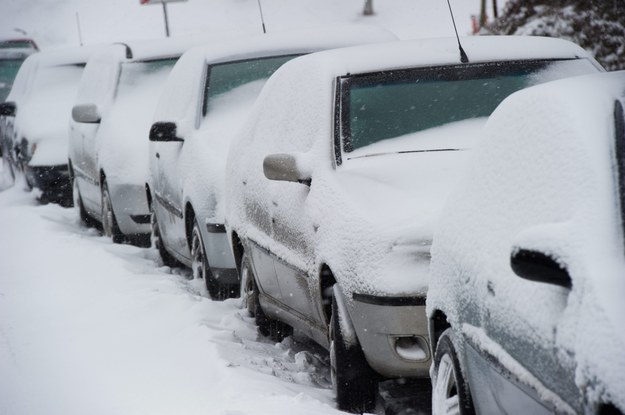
(131, 208)
(52, 180)
(219, 253)
(393, 334)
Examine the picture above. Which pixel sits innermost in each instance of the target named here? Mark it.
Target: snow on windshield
(45, 114)
(383, 106)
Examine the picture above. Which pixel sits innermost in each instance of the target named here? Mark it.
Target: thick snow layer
(87, 326)
(543, 179)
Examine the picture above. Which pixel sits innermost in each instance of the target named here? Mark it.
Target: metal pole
(166, 19)
(79, 31)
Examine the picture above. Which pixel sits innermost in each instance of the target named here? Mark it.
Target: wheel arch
(237, 250)
(326, 282)
(438, 323)
(189, 219)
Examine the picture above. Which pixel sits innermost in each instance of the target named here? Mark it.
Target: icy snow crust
(92, 327)
(371, 219)
(543, 178)
(201, 163)
(44, 91)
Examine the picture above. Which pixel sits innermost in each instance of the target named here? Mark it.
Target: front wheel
(450, 393)
(109, 222)
(355, 383)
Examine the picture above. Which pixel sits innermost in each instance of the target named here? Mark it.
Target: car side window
(223, 79)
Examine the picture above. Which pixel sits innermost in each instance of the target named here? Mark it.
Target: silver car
(335, 184)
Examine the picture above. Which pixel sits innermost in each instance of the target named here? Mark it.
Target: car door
(532, 361)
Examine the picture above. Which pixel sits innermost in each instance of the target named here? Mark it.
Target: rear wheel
(157, 241)
(450, 393)
(355, 383)
(109, 222)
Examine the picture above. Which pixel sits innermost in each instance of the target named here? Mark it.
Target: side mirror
(537, 266)
(8, 109)
(164, 132)
(283, 167)
(86, 113)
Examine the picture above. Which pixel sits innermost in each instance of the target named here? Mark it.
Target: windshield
(225, 77)
(8, 71)
(427, 102)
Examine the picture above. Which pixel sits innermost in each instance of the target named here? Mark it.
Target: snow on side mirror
(537, 266)
(284, 167)
(86, 113)
(164, 132)
(8, 109)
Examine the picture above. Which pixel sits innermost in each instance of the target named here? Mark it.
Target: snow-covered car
(12, 53)
(335, 184)
(35, 117)
(206, 99)
(111, 119)
(526, 294)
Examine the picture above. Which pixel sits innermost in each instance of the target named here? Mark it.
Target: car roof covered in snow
(445, 51)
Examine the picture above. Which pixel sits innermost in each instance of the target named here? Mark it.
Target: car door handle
(158, 156)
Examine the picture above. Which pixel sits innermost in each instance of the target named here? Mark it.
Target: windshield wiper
(406, 152)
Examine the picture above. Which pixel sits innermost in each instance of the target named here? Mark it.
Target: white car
(33, 129)
(337, 179)
(526, 294)
(206, 99)
(111, 119)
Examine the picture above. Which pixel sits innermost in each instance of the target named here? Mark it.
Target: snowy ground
(89, 327)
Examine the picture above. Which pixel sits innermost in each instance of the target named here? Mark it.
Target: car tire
(355, 383)
(247, 287)
(110, 227)
(450, 392)
(157, 241)
(269, 327)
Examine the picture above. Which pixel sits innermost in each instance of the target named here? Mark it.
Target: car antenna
(463, 55)
(262, 19)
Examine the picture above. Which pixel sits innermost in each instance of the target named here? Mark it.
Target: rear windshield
(386, 105)
(8, 71)
(225, 77)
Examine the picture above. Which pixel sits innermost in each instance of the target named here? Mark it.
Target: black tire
(450, 392)
(274, 329)
(247, 287)
(355, 383)
(157, 241)
(109, 222)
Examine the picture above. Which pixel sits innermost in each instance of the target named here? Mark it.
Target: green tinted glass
(8, 71)
(225, 77)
